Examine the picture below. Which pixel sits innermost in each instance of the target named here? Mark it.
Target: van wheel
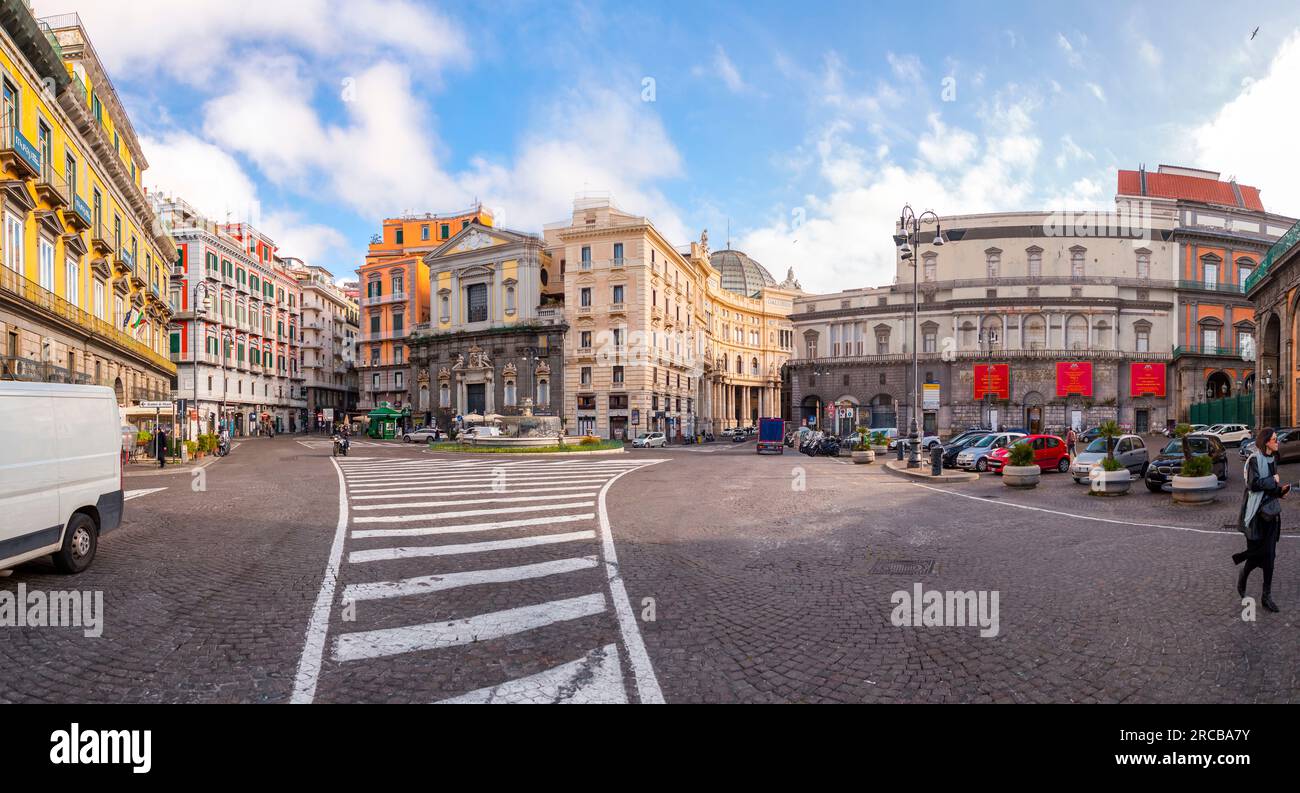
(80, 542)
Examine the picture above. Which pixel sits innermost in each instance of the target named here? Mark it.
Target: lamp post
(226, 338)
(906, 252)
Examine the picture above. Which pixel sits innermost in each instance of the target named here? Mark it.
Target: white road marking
(480, 628)
(396, 487)
(434, 583)
(130, 494)
(1085, 517)
(583, 488)
(594, 679)
(470, 527)
(464, 501)
(304, 686)
(414, 552)
(647, 685)
(470, 513)
(470, 481)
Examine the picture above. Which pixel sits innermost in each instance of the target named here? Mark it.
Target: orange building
(394, 299)
(1221, 232)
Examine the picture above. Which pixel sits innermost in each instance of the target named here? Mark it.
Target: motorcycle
(340, 446)
(223, 447)
(810, 443)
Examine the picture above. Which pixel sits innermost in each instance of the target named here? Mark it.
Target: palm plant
(1110, 431)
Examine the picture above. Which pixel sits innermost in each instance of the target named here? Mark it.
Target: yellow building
(83, 261)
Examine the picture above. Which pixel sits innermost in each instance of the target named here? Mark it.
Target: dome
(741, 273)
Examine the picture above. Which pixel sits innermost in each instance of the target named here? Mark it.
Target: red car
(1050, 453)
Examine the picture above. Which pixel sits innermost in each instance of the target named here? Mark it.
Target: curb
(524, 454)
(900, 469)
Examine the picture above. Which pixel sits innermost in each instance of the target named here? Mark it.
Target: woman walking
(1261, 515)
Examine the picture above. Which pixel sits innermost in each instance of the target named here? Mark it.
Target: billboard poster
(1074, 378)
(1146, 379)
(992, 378)
(930, 396)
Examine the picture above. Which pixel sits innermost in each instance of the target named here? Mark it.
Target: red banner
(992, 378)
(1146, 379)
(1074, 378)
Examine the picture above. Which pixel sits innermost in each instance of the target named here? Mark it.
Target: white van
(60, 472)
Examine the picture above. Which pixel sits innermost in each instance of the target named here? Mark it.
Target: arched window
(882, 412)
(991, 334)
(1076, 333)
(930, 266)
(740, 365)
(1034, 259)
(754, 367)
(993, 262)
(1077, 266)
(1143, 263)
(510, 393)
(1034, 333)
(543, 392)
(967, 335)
(1101, 335)
(444, 395)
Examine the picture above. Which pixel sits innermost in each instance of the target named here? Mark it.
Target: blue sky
(805, 125)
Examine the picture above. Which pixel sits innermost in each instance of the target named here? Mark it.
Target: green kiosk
(383, 422)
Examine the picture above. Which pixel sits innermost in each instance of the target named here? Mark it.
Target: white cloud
(1096, 91)
(1253, 135)
(207, 177)
(197, 40)
(1071, 152)
(845, 241)
(944, 146)
(725, 70)
(1149, 53)
(1072, 55)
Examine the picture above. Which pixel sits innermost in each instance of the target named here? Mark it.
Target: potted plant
(1111, 478)
(1195, 482)
(862, 453)
(1020, 470)
(879, 442)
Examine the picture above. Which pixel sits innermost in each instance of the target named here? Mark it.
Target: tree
(1110, 431)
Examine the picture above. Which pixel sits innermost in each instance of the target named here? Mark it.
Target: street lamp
(905, 251)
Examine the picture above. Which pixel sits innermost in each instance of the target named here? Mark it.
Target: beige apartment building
(329, 335)
(1030, 319)
(660, 338)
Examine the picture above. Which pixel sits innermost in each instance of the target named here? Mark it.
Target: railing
(1200, 349)
(13, 140)
(42, 298)
(987, 355)
(1212, 286)
(1279, 248)
(79, 204)
(56, 183)
(377, 300)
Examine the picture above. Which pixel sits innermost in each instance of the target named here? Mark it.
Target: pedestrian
(1070, 439)
(1261, 515)
(161, 440)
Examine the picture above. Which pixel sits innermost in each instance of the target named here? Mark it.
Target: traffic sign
(156, 405)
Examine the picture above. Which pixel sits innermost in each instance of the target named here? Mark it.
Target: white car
(61, 489)
(649, 440)
(422, 434)
(1228, 433)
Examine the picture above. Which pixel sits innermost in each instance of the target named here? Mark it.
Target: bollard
(936, 461)
(900, 449)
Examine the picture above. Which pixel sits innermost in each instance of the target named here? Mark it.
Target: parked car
(964, 434)
(1089, 435)
(740, 437)
(1169, 431)
(1130, 450)
(1288, 445)
(62, 486)
(928, 442)
(951, 450)
(649, 440)
(422, 434)
(975, 456)
(1170, 460)
(1049, 452)
(1229, 433)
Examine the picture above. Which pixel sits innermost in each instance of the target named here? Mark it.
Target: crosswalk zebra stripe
(483, 627)
(478, 482)
(462, 501)
(488, 546)
(434, 583)
(469, 513)
(459, 492)
(471, 527)
(594, 679)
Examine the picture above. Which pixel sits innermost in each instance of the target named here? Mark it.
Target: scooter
(340, 446)
(223, 447)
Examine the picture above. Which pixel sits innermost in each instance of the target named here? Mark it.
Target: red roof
(1190, 188)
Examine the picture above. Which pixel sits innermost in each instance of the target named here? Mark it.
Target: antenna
(728, 233)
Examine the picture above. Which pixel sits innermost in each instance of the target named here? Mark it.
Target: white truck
(61, 482)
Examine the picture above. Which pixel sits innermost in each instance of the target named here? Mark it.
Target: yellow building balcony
(18, 157)
(52, 188)
(101, 241)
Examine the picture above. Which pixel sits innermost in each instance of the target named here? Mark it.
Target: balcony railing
(42, 298)
(31, 371)
(379, 300)
(1201, 349)
(1213, 286)
(52, 187)
(1279, 248)
(20, 158)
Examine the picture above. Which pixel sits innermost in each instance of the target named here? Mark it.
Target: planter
(880, 449)
(863, 457)
(1195, 489)
(1020, 476)
(1109, 483)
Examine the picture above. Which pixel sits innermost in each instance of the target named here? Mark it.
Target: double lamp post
(910, 249)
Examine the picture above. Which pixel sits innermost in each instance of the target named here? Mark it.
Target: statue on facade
(791, 282)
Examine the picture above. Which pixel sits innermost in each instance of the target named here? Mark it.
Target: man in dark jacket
(161, 439)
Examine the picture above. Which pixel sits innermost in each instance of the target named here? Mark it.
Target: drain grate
(903, 567)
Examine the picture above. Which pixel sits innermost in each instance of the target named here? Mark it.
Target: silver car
(976, 455)
(1130, 451)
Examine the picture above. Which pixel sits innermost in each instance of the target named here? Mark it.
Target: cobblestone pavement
(744, 577)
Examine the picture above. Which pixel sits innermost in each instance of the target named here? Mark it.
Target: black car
(951, 450)
(1169, 462)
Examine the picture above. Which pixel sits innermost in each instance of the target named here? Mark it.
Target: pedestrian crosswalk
(478, 581)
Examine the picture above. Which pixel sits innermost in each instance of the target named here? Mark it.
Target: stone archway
(1271, 395)
(1035, 417)
(810, 411)
(1218, 385)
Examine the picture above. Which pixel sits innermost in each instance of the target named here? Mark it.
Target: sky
(803, 128)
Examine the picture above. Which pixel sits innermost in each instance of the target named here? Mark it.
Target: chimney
(1142, 178)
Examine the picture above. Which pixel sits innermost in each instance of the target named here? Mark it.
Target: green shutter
(176, 343)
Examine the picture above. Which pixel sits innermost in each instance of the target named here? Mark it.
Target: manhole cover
(903, 567)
